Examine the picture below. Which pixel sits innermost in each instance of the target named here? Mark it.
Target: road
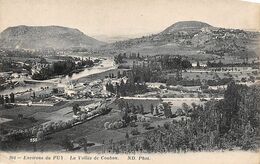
(167, 99)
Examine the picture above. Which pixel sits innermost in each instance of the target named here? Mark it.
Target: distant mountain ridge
(189, 38)
(44, 37)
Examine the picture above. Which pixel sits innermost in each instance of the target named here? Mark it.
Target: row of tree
(120, 57)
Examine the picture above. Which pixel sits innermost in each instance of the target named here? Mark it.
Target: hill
(45, 37)
(185, 26)
(192, 38)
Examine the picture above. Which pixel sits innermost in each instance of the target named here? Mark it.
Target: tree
(166, 125)
(198, 64)
(75, 109)
(138, 109)
(124, 73)
(34, 131)
(186, 64)
(185, 107)
(156, 111)
(194, 105)
(152, 109)
(146, 145)
(7, 100)
(106, 125)
(2, 100)
(110, 88)
(12, 97)
(167, 110)
(34, 96)
(118, 58)
(118, 74)
(43, 61)
(84, 143)
(66, 143)
(232, 97)
(141, 109)
(135, 131)
(126, 135)
(20, 116)
(125, 116)
(40, 135)
(55, 90)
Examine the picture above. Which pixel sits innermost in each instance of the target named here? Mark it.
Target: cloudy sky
(127, 18)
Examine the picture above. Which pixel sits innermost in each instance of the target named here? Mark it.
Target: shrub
(66, 143)
(243, 79)
(146, 124)
(143, 119)
(110, 126)
(84, 116)
(115, 125)
(106, 125)
(34, 131)
(135, 132)
(139, 117)
(166, 125)
(162, 87)
(89, 115)
(132, 124)
(32, 119)
(40, 135)
(147, 119)
(121, 124)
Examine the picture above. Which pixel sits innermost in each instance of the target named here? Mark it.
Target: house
(73, 89)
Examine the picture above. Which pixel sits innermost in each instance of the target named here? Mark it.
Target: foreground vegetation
(228, 124)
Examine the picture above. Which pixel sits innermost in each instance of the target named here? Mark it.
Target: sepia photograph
(129, 77)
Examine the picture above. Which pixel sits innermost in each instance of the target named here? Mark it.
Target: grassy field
(93, 130)
(146, 103)
(27, 112)
(41, 114)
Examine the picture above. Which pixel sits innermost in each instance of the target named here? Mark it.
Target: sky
(113, 18)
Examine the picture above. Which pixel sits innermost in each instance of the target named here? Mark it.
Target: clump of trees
(61, 68)
(7, 99)
(58, 68)
(153, 70)
(176, 62)
(114, 125)
(120, 57)
(127, 88)
(230, 123)
(216, 82)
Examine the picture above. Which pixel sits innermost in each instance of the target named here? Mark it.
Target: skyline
(115, 18)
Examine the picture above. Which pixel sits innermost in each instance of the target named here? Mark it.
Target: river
(105, 65)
